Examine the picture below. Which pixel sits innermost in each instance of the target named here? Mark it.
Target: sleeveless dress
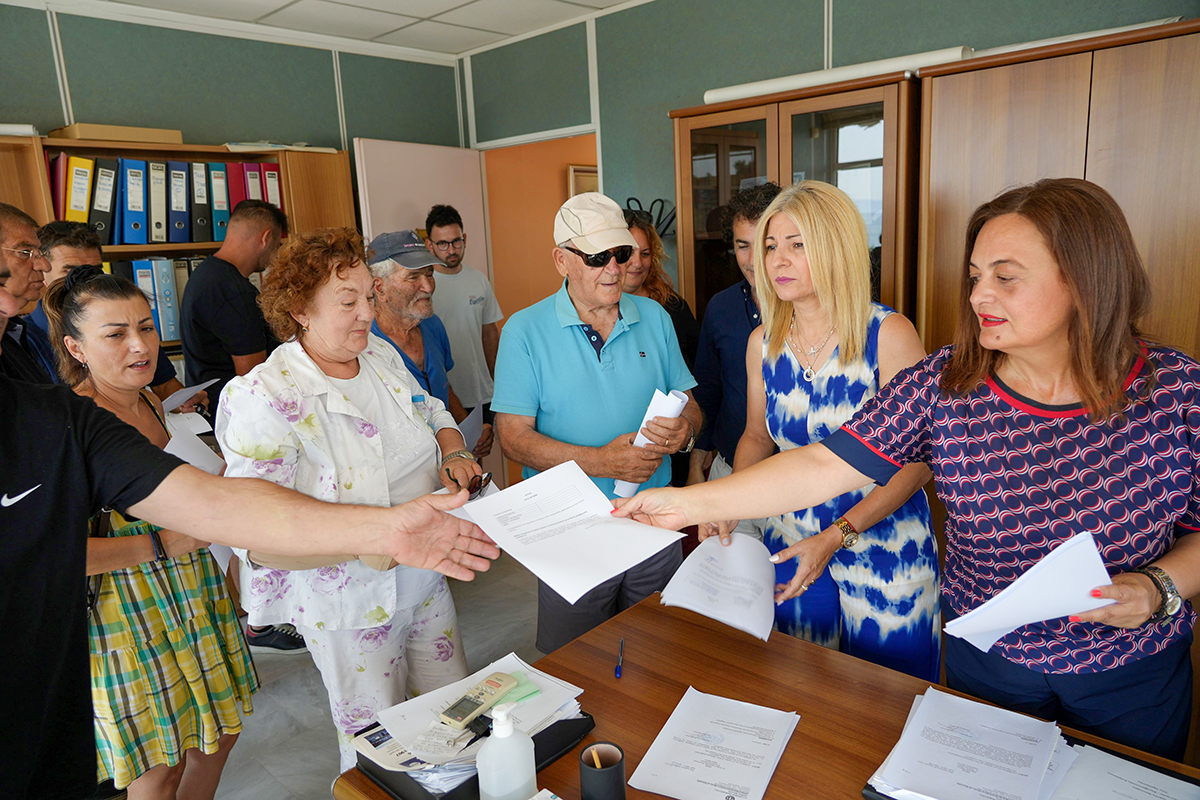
(879, 600)
(169, 662)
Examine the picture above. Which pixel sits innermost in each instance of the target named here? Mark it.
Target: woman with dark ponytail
(169, 662)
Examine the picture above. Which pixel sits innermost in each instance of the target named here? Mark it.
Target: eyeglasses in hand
(598, 260)
(478, 484)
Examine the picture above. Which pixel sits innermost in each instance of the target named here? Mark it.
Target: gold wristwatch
(849, 535)
(1171, 601)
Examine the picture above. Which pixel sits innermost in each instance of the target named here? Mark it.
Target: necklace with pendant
(809, 371)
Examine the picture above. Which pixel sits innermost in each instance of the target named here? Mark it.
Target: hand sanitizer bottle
(505, 761)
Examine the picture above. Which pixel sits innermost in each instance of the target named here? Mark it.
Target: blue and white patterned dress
(879, 600)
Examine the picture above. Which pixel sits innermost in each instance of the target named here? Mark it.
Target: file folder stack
(130, 201)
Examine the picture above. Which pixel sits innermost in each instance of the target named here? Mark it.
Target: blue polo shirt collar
(568, 316)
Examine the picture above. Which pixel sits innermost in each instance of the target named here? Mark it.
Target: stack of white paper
(1057, 586)
(958, 749)
(441, 769)
(714, 747)
(734, 585)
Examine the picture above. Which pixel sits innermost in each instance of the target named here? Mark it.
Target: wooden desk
(851, 711)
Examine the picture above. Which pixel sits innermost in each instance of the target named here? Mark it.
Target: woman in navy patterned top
(1048, 417)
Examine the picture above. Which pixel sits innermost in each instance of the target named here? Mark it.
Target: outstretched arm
(800, 478)
(256, 514)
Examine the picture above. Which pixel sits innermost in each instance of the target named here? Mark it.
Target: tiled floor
(289, 748)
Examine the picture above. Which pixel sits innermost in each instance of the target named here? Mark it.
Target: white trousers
(366, 670)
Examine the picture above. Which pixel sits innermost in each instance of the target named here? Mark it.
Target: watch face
(1173, 604)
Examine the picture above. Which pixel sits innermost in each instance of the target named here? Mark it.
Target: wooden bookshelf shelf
(131, 251)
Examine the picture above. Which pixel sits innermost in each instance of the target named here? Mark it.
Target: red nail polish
(1073, 619)
(1096, 592)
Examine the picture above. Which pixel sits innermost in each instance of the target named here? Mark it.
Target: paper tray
(548, 746)
(869, 792)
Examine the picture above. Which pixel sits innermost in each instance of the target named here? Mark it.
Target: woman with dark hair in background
(169, 663)
(1050, 415)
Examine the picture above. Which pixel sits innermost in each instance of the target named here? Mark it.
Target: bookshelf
(316, 187)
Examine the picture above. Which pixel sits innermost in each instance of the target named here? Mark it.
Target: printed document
(957, 749)
(471, 428)
(1097, 775)
(187, 446)
(181, 396)
(734, 584)
(561, 528)
(1057, 586)
(714, 747)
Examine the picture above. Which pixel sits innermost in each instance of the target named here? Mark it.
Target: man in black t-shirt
(23, 348)
(223, 330)
(62, 459)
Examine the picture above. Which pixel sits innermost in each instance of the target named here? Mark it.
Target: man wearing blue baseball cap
(403, 268)
(574, 375)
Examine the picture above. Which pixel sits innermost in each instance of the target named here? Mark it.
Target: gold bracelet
(457, 454)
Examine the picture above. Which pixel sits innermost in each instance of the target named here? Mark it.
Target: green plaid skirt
(170, 664)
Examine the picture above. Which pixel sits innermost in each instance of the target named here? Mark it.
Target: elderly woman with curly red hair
(334, 414)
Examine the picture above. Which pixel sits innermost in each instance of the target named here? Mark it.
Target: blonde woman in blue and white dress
(860, 572)
(334, 414)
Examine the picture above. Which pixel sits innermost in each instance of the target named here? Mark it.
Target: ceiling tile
(512, 16)
(412, 8)
(243, 10)
(318, 16)
(440, 37)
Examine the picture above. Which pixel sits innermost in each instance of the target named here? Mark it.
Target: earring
(303, 329)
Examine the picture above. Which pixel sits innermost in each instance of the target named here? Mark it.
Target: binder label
(79, 188)
(178, 190)
(220, 200)
(105, 178)
(136, 190)
(272, 179)
(199, 184)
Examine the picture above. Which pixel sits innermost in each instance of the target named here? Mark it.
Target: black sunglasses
(478, 484)
(597, 260)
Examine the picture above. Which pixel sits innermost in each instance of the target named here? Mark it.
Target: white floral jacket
(286, 423)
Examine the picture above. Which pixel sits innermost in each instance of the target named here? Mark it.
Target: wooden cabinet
(316, 187)
(1122, 111)
(859, 135)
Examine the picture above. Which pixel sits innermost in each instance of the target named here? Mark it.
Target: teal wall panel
(664, 55)
(916, 26)
(30, 94)
(398, 100)
(533, 85)
(215, 89)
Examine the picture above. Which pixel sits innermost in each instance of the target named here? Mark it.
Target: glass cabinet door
(728, 152)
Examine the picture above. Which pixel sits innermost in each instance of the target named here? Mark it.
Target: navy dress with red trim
(1019, 478)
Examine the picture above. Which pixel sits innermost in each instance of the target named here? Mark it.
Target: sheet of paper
(1097, 775)
(661, 405)
(187, 445)
(714, 747)
(957, 749)
(222, 554)
(407, 721)
(176, 399)
(1060, 763)
(561, 528)
(734, 585)
(1057, 586)
(190, 421)
(471, 428)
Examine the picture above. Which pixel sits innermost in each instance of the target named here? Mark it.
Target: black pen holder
(607, 782)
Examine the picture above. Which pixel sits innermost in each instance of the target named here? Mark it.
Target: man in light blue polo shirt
(574, 375)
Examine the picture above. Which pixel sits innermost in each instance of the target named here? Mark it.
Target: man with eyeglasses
(574, 375)
(23, 347)
(466, 304)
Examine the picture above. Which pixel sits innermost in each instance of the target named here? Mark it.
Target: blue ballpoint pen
(620, 656)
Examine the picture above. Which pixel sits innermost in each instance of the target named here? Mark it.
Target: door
(717, 155)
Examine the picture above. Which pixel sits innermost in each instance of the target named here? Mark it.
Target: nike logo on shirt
(7, 501)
